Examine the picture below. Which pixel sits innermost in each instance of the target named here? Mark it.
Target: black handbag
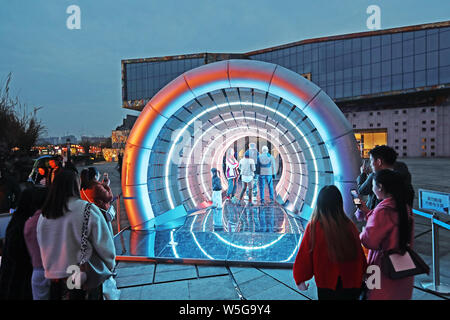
(398, 265)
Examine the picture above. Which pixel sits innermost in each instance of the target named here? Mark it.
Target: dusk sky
(75, 75)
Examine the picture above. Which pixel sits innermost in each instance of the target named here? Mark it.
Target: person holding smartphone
(97, 192)
(382, 157)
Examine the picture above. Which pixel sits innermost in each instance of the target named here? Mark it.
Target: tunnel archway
(310, 131)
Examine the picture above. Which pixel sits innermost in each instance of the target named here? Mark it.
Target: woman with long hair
(16, 266)
(231, 173)
(331, 251)
(389, 226)
(59, 233)
(97, 192)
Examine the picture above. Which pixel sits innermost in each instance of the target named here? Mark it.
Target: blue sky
(75, 74)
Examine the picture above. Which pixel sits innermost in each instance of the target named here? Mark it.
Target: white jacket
(60, 239)
(247, 167)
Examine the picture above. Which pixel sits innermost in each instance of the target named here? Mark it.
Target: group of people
(255, 171)
(44, 237)
(52, 224)
(332, 251)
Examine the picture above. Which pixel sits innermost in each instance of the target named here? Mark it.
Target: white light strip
(172, 241)
(285, 152)
(218, 153)
(172, 148)
(239, 246)
(247, 247)
(284, 166)
(225, 146)
(212, 143)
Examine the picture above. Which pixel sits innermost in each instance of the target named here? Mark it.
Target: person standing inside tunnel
(216, 189)
(254, 154)
(331, 251)
(247, 167)
(231, 173)
(216, 198)
(267, 173)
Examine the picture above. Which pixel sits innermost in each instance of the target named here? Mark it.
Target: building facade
(392, 85)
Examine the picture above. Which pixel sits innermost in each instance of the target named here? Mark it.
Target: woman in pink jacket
(389, 226)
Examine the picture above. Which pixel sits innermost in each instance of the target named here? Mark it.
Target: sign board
(434, 200)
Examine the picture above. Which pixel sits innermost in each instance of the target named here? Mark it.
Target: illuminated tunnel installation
(186, 129)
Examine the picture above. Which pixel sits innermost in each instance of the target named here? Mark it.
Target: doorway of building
(369, 139)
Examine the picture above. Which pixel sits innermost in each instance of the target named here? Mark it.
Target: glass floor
(235, 234)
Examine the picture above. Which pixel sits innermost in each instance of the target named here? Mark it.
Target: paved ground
(144, 281)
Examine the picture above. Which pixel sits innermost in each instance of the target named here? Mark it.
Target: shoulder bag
(94, 270)
(398, 265)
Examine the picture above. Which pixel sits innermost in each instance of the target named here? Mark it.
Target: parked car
(41, 162)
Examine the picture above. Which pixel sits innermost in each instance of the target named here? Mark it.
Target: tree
(19, 128)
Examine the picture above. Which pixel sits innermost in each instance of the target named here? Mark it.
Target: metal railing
(118, 212)
(435, 285)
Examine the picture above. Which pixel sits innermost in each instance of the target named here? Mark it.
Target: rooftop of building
(418, 27)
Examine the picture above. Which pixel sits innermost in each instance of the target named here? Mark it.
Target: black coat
(364, 183)
(16, 268)
(9, 193)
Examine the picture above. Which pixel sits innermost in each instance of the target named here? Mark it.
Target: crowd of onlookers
(63, 222)
(59, 241)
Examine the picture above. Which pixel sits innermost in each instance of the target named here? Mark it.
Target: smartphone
(355, 195)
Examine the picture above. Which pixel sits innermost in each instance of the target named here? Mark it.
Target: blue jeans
(255, 186)
(262, 181)
(232, 184)
(40, 286)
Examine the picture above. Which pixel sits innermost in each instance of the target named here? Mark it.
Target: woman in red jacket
(331, 251)
(97, 192)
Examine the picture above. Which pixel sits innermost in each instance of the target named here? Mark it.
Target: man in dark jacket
(217, 189)
(383, 157)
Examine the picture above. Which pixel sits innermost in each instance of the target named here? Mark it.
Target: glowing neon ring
(218, 153)
(326, 117)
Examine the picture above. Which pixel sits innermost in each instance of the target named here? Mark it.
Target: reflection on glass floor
(236, 233)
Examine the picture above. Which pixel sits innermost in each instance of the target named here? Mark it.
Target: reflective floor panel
(236, 233)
